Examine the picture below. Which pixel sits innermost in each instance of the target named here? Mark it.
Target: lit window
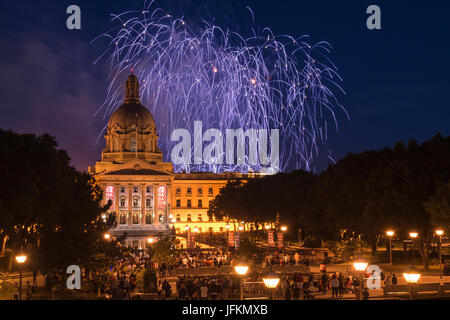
(135, 202)
(135, 218)
(148, 202)
(178, 191)
(199, 217)
(189, 219)
(122, 202)
(189, 205)
(200, 191)
(148, 218)
(122, 218)
(200, 203)
(178, 218)
(210, 190)
(178, 203)
(133, 144)
(135, 189)
(189, 191)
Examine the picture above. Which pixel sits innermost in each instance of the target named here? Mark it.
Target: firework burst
(209, 74)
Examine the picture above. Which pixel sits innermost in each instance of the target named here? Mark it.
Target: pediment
(137, 167)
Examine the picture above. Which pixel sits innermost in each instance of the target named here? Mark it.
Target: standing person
(29, 290)
(341, 285)
(203, 291)
(334, 286)
(324, 283)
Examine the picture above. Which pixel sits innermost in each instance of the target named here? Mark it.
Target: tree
(48, 207)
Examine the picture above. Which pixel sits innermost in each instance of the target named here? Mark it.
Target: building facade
(149, 199)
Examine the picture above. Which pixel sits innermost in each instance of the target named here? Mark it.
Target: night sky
(396, 79)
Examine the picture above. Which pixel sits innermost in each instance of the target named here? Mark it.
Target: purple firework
(209, 74)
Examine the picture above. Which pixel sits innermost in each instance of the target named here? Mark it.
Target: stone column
(130, 204)
(116, 201)
(155, 204)
(168, 202)
(143, 204)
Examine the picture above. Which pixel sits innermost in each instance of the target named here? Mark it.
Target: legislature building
(149, 199)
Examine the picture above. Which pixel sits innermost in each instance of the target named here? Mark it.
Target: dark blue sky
(396, 79)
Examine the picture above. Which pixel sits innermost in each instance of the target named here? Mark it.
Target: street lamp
(107, 236)
(150, 240)
(21, 258)
(440, 232)
(271, 281)
(413, 236)
(360, 266)
(411, 276)
(390, 234)
(283, 228)
(241, 270)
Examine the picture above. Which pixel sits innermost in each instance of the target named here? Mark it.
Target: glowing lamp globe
(150, 240)
(411, 276)
(439, 232)
(283, 228)
(241, 228)
(267, 227)
(413, 235)
(241, 270)
(271, 280)
(227, 226)
(21, 258)
(107, 236)
(389, 233)
(360, 265)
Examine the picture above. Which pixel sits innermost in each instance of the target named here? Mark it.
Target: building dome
(131, 130)
(131, 117)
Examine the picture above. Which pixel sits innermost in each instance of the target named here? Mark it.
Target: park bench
(422, 287)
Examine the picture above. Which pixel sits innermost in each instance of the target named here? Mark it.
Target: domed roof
(132, 113)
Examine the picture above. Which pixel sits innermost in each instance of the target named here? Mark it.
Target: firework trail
(209, 74)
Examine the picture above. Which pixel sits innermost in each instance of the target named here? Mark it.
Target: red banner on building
(161, 197)
(110, 195)
(191, 240)
(230, 239)
(270, 238)
(236, 240)
(280, 240)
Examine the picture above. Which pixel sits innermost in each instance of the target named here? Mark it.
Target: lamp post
(413, 236)
(271, 281)
(411, 276)
(390, 234)
(360, 266)
(241, 270)
(440, 233)
(21, 258)
(227, 226)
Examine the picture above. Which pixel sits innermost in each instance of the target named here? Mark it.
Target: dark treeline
(48, 209)
(405, 188)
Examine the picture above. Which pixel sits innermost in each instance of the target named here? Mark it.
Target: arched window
(122, 202)
(135, 202)
(115, 145)
(148, 217)
(122, 218)
(189, 219)
(135, 218)
(178, 218)
(199, 217)
(133, 144)
(148, 202)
